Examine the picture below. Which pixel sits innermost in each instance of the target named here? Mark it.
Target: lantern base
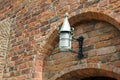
(65, 50)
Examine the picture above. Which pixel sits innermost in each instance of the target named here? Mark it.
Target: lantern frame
(65, 39)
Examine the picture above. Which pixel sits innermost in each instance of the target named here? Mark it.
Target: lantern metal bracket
(80, 41)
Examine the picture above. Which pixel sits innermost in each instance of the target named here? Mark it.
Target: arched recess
(80, 15)
(4, 42)
(81, 71)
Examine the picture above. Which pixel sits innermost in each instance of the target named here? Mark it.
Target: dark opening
(98, 78)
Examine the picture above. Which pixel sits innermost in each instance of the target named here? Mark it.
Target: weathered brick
(112, 1)
(88, 28)
(54, 19)
(94, 59)
(94, 40)
(88, 48)
(94, 33)
(108, 36)
(116, 63)
(115, 57)
(106, 50)
(38, 75)
(39, 63)
(64, 10)
(22, 77)
(92, 53)
(14, 58)
(25, 71)
(22, 66)
(118, 48)
(29, 42)
(104, 2)
(103, 44)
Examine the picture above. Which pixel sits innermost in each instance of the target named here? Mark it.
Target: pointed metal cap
(66, 25)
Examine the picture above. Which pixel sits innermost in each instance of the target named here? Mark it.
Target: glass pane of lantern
(64, 35)
(64, 42)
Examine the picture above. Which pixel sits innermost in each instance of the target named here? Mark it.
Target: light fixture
(66, 36)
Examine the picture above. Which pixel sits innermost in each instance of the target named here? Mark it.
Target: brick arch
(4, 42)
(80, 15)
(96, 13)
(88, 70)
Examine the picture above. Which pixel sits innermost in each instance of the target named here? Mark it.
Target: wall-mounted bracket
(80, 52)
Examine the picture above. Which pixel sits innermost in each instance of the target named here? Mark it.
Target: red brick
(71, 1)
(113, 1)
(105, 58)
(38, 75)
(94, 59)
(2, 16)
(107, 36)
(116, 70)
(33, 32)
(25, 71)
(59, 55)
(39, 63)
(106, 67)
(86, 42)
(92, 53)
(116, 63)
(102, 44)
(94, 33)
(64, 10)
(47, 16)
(37, 79)
(117, 10)
(118, 48)
(30, 64)
(118, 18)
(82, 1)
(22, 77)
(49, 1)
(22, 66)
(99, 25)
(13, 79)
(56, 62)
(114, 6)
(88, 28)
(39, 68)
(106, 50)
(104, 2)
(78, 29)
(90, 65)
(94, 40)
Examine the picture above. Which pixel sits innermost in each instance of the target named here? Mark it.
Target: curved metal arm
(80, 52)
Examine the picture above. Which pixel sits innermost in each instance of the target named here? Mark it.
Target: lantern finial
(66, 14)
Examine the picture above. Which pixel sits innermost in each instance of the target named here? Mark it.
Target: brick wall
(4, 43)
(34, 30)
(100, 52)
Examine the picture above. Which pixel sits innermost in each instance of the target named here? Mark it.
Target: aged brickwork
(32, 51)
(4, 43)
(101, 41)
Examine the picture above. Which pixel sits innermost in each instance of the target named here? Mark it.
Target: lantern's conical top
(66, 25)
